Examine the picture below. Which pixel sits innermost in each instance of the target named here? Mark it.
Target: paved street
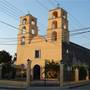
(11, 89)
(86, 87)
(82, 87)
(41, 85)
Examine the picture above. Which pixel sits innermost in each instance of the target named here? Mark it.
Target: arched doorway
(36, 72)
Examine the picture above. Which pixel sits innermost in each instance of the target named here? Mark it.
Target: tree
(8, 71)
(5, 57)
(14, 58)
(52, 69)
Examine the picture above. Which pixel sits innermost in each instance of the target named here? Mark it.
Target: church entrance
(36, 72)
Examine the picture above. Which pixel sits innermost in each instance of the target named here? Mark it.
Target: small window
(64, 15)
(54, 36)
(54, 24)
(33, 31)
(55, 14)
(37, 53)
(64, 26)
(23, 41)
(33, 22)
(23, 30)
(24, 21)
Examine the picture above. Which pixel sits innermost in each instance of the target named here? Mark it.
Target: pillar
(76, 75)
(61, 74)
(87, 76)
(28, 79)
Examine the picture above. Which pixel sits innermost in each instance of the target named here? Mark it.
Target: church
(52, 46)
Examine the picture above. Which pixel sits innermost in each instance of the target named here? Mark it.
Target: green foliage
(8, 72)
(82, 73)
(14, 59)
(52, 69)
(6, 60)
(5, 57)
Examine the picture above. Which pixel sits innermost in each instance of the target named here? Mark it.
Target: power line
(81, 29)
(80, 33)
(53, 4)
(41, 4)
(50, 38)
(75, 19)
(9, 25)
(27, 32)
(8, 13)
(41, 41)
(8, 8)
(15, 8)
(8, 38)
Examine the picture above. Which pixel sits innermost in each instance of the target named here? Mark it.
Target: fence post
(87, 76)
(61, 74)
(76, 75)
(28, 79)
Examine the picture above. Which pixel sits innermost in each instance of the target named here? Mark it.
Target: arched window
(54, 36)
(24, 21)
(23, 30)
(64, 15)
(33, 31)
(33, 22)
(54, 24)
(64, 26)
(23, 41)
(55, 14)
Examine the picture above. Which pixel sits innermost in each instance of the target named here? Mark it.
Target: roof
(76, 54)
(80, 47)
(57, 9)
(28, 14)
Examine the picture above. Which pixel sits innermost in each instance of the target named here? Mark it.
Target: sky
(78, 17)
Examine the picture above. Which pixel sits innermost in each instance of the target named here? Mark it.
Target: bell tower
(57, 25)
(27, 29)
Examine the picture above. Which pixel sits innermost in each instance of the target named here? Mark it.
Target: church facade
(39, 48)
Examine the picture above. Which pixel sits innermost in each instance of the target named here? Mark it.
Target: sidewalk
(12, 84)
(75, 84)
(20, 85)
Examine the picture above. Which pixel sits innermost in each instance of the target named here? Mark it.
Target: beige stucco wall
(49, 51)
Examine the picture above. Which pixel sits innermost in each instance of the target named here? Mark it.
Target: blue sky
(78, 17)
